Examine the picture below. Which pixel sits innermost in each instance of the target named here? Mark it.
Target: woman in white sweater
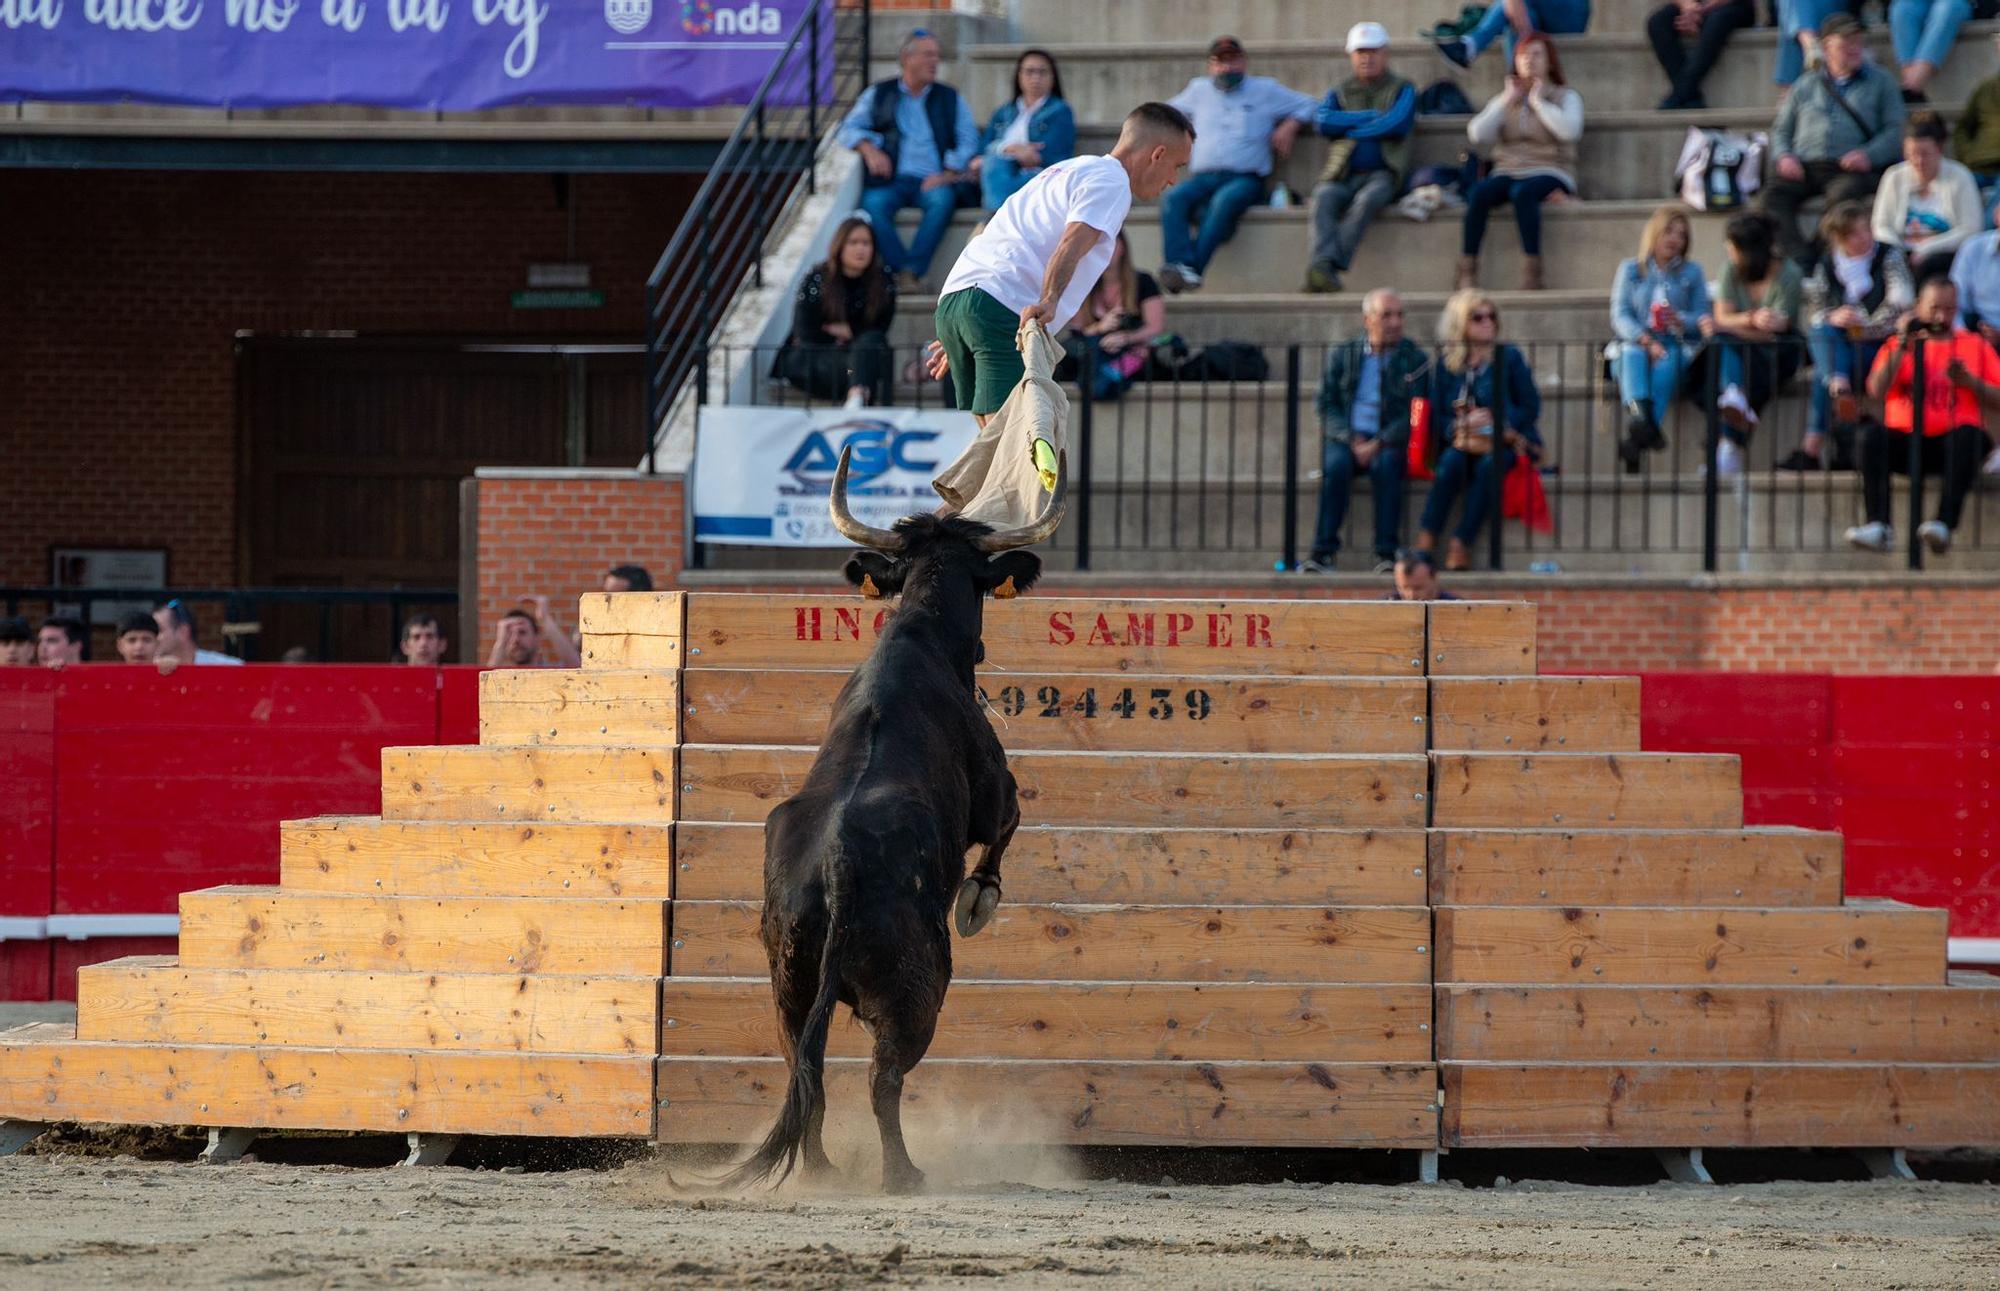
(1927, 205)
(1531, 128)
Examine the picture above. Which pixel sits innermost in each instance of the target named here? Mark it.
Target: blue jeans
(1218, 199)
(1385, 477)
(1556, 17)
(882, 203)
(1455, 470)
(1000, 178)
(1923, 30)
(1834, 355)
(1527, 195)
(1653, 382)
(1795, 16)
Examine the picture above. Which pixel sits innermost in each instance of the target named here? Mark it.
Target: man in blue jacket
(1369, 118)
(1364, 419)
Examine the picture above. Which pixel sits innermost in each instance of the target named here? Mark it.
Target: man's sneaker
(1177, 278)
(1322, 278)
(1935, 536)
(855, 401)
(1873, 536)
(1735, 410)
(1728, 458)
(1800, 460)
(1317, 563)
(1456, 50)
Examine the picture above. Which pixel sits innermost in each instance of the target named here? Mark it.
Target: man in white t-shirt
(177, 643)
(1041, 253)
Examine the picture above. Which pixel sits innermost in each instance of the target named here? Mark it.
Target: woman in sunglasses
(1476, 367)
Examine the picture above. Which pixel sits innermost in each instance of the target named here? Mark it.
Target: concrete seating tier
(1270, 22)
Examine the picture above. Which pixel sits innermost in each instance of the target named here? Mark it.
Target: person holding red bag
(1479, 448)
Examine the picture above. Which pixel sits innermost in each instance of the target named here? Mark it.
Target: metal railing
(1186, 465)
(821, 69)
(242, 608)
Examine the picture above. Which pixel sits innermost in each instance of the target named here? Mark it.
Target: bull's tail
(805, 1098)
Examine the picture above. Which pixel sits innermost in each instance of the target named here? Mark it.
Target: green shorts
(978, 334)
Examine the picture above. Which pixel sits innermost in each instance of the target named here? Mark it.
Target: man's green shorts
(978, 334)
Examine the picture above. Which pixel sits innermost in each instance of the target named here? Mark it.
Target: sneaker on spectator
(1736, 411)
(1935, 536)
(1320, 562)
(1800, 460)
(1456, 50)
(1385, 565)
(909, 284)
(1992, 466)
(1177, 278)
(1322, 277)
(855, 400)
(1728, 458)
(1873, 536)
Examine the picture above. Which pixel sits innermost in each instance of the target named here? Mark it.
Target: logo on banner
(878, 449)
(628, 16)
(703, 18)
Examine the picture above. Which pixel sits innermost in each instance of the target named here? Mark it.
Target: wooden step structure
(1344, 874)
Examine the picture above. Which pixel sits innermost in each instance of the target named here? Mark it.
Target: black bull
(864, 863)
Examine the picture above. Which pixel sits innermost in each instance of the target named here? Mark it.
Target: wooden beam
(1500, 1105)
(632, 629)
(57, 1077)
(153, 1000)
(743, 783)
(1588, 790)
(524, 784)
(1957, 1023)
(261, 927)
(1528, 714)
(1879, 943)
(1115, 866)
(947, 1102)
(1481, 638)
(1094, 711)
(457, 858)
(1094, 1021)
(598, 707)
(1751, 867)
(1075, 634)
(1121, 943)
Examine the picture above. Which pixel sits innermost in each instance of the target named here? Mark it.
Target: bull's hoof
(905, 1181)
(978, 898)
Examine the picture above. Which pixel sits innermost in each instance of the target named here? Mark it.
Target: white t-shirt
(1009, 260)
(214, 656)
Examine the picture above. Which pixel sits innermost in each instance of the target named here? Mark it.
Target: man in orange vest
(1961, 385)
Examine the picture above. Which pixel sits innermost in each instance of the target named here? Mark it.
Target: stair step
(620, 707)
(474, 859)
(632, 629)
(1588, 790)
(523, 783)
(1529, 714)
(1776, 866)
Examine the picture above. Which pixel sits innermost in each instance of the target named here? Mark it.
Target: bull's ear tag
(869, 590)
(1006, 591)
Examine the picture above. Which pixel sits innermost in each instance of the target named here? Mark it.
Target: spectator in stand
(59, 643)
(1923, 32)
(177, 643)
(1035, 128)
(1927, 205)
(1976, 274)
(1417, 578)
(1961, 390)
(1364, 421)
(1124, 312)
(1711, 23)
(138, 638)
(1241, 124)
(1798, 40)
(1854, 293)
(916, 137)
(1531, 129)
(1519, 21)
(517, 640)
(424, 642)
(17, 643)
(1837, 131)
(839, 347)
(1462, 403)
(628, 578)
(1369, 118)
(1975, 141)
(1752, 335)
(1659, 301)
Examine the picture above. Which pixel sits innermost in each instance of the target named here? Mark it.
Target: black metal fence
(245, 611)
(1229, 469)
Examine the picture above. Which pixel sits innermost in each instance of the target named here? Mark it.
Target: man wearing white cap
(1369, 118)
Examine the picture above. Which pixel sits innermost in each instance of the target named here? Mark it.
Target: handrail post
(649, 389)
(812, 92)
(1711, 500)
(757, 197)
(1495, 487)
(1916, 452)
(1085, 380)
(1291, 553)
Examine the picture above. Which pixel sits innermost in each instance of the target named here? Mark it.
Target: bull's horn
(861, 535)
(1042, 529)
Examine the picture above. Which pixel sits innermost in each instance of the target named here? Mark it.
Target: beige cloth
(995, 480)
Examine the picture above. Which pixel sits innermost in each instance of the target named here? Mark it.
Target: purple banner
(452, 55)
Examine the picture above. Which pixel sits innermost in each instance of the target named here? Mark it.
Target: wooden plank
(1879, 944)
(457, 858)
(515, 783)
(743, 783)
(951, 1101)
(620, 708)
(1481, 638)
(1750, 867)
(1091, 711)
(1096, 1021)
(261, 927)
(272, 1087)
(1719, 1023)
(153, 1000)
(632, 629)
(1106, 866)
(1121, 943)
(1585, 790)
(1522, 714)
(1077, 634)
(1696, 1105)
